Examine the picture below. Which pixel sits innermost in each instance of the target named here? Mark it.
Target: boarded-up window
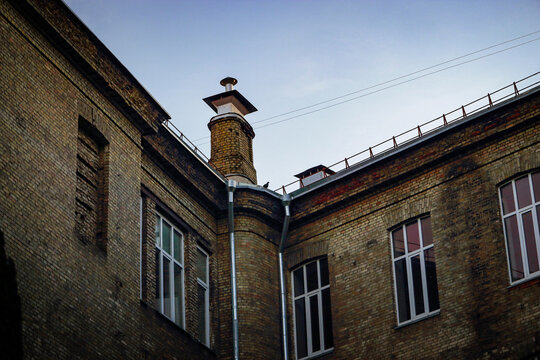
(90, 212)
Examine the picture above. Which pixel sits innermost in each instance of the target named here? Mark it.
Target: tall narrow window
(203, 300)
(415, 277)
(520, 207)
(169, 270)
(90, 211)
(312, 309)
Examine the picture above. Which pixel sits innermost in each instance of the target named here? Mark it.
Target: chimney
(231, 135)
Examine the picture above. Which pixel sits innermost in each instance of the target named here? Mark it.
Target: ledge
(525, 283)
(410, 322)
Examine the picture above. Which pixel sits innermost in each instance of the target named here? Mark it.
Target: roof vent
(314, 174)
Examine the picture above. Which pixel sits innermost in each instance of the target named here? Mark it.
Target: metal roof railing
(485, 102)
(188, 143)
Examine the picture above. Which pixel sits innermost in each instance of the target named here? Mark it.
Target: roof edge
(74, 40)
(412, 143)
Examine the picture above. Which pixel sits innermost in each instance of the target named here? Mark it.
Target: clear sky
(291, 54)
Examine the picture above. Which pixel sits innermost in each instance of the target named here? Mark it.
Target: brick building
(119, 241)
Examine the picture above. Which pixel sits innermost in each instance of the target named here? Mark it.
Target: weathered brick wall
(199, 228)
(79, 300)
(455, 180)
(257, 230)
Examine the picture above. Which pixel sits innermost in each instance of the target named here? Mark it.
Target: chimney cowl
(229, 83)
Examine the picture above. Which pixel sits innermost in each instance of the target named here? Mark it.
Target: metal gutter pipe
(286, 202)
(231, 186)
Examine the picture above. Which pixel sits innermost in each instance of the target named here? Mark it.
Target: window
(203, 300)
(520, 206)
(415, 277)
(312, 315)
(169, 296)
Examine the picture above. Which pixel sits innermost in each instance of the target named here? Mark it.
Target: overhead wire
(389, 81)
(395, 79)
(394, 85)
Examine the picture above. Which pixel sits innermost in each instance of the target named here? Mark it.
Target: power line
(388, 81)
(394, 85)
(397, 78)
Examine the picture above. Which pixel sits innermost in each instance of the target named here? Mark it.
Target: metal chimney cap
(228, 80)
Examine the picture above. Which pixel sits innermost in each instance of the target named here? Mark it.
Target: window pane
(166, 288)
(201, 311)
(514, 249)
(431, 277)
(523, 192)
(311, 274)
(413, 238)
(166, 237)
(402, 288)
(314, 317)
(300, 321)
(536, 186)
(177, 243)
(507, 196)
(324, 271)
(298, 281)
(157, 232)
(201, 266)
(530, 241)
(398, 242)
(327, 319)
(427, 236)
(157, 295)
(178, 294)
(417, 285)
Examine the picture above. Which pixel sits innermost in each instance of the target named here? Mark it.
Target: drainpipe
(286, 200)
(231, 186)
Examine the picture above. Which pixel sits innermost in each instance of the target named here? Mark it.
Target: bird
(266, 185)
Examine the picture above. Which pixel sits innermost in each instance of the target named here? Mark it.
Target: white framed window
(415, 276)
(312, 309)
(520, 209)
(203, 298)
(169, 296)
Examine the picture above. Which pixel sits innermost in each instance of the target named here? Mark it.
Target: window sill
(524, 283)
(318, 355)
(414, 321)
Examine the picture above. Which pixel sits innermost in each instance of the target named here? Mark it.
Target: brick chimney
(231, 135)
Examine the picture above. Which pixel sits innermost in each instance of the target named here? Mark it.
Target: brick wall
(78, 299)
(455, 180)
(232, 149)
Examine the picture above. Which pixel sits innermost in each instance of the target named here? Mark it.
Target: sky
(288, 55)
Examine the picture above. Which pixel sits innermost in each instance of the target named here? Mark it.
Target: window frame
(518, 212)
(206, 286)
(414, 317)
(172, 261)
(307, 295)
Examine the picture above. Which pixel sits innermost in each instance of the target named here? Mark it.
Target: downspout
(231, 186)
(286, 200)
